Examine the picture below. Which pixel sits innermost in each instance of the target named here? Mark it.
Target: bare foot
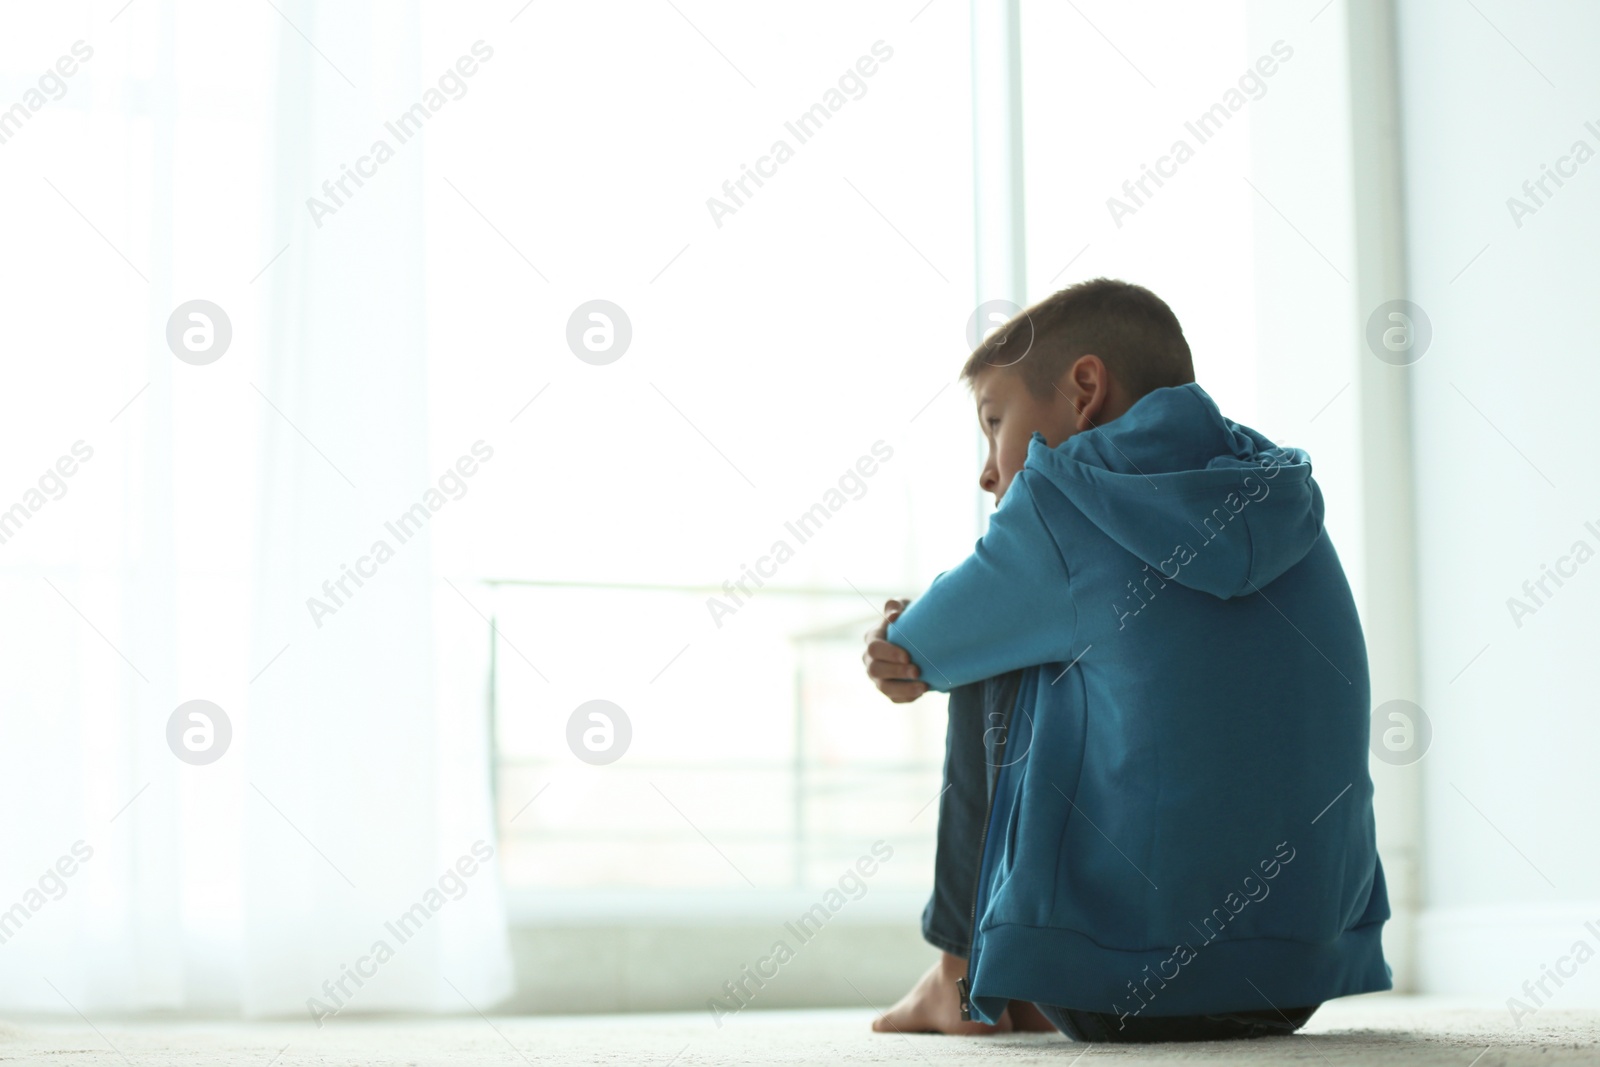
(1027, 1018)
(933, 1005)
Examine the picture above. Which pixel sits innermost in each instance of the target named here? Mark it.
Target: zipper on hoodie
(964, 985)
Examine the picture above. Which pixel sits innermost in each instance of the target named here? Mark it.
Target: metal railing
(812, 780)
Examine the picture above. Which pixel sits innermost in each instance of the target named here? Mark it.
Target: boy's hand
(889, 666)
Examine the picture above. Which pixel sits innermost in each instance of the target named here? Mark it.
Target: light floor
(1367, 1030)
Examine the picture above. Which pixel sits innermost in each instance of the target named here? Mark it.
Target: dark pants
(975, 751)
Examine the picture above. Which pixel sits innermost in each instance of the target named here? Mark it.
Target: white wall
(1325, 190)
(1503, 406)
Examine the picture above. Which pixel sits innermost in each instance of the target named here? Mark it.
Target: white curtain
(354, 751)
(341, 854)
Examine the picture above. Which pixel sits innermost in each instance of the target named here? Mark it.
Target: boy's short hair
(1130, 328)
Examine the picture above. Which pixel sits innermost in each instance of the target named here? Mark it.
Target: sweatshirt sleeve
(1004, 607)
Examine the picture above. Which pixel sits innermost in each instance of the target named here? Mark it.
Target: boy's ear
(1089, 388)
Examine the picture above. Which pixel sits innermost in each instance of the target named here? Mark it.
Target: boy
(1157, 821)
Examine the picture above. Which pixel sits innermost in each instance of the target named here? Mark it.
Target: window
(772, 348)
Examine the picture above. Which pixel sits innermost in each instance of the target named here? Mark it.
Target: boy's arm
(1006, 606)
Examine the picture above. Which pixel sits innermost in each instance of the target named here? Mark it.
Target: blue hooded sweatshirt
(1181, 821)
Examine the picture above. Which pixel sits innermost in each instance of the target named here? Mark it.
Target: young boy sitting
(1157, 821)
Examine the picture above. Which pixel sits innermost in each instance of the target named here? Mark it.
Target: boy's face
(1009, 414)
(1084, 397)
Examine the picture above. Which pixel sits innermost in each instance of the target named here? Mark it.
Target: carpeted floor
(1367, 1030)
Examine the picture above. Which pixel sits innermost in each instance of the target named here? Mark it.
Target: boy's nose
(989, 480)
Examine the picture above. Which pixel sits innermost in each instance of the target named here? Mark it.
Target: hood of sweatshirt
(1211, 504)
